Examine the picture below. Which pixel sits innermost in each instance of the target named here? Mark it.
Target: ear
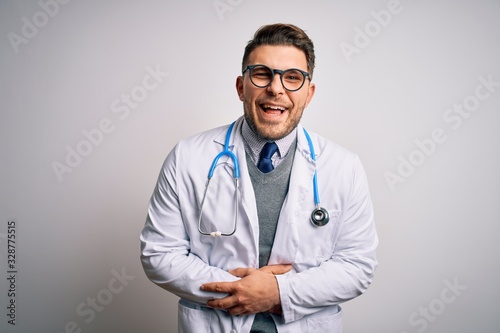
(239, 87)
(310, 93)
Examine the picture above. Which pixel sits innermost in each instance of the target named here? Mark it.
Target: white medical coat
(330, 264)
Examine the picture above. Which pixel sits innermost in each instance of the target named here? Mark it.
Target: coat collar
(236, 139)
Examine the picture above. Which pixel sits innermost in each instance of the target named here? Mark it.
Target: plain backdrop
(413, 87)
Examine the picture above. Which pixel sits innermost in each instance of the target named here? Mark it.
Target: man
(241, 251)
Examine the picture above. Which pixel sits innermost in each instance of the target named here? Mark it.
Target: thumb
(277, 269)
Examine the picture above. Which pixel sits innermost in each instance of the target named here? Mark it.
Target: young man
(252, 250)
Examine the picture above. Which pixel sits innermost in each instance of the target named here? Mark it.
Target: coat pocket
(330, 324)
(193, 318)
(324, 238)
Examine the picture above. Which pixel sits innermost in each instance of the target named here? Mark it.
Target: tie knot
(269, 149)
(265, 164)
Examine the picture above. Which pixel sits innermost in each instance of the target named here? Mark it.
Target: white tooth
(275, 107)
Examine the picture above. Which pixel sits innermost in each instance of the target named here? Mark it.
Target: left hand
(256, 291)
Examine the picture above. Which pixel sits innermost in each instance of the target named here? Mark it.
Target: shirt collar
(254, 143)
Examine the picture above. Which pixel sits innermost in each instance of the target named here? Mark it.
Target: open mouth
(276, 109)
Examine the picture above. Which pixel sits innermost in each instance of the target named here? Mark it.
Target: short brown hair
(282, 34)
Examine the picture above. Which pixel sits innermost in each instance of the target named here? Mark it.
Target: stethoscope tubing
(315, 177)
(236, 176)
(319, 215)
(226, 152)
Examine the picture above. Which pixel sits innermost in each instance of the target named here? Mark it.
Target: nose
(276, 87)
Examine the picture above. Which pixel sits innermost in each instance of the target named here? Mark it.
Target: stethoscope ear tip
(320, 216)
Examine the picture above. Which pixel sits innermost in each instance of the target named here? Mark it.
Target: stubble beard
(270, 131)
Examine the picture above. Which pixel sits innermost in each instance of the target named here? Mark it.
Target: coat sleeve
(349, 270)
(165, 244)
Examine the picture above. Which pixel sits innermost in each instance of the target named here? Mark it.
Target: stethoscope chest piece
(320, 216)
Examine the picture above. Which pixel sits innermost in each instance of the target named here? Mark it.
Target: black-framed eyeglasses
(292, 79)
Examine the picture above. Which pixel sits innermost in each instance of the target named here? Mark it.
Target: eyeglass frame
(280, 72)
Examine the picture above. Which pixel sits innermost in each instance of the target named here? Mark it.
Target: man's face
(273, 112)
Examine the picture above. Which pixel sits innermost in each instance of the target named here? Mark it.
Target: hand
(256, 291)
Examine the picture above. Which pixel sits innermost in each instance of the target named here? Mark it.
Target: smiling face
(273, 112)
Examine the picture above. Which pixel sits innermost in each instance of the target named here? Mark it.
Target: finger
(243, 310)
(218, 287)
(241, 272)
(238, 311)
(277, 269)
(223, 303)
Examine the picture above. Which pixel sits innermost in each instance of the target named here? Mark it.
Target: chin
(273, 131)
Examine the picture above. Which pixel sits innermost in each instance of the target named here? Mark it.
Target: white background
(438, 224)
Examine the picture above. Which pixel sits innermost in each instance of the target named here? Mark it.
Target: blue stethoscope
(319, 215)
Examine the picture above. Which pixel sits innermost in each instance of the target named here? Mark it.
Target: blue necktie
(265, 164)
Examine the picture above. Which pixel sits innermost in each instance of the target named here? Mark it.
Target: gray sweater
(270, 191)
